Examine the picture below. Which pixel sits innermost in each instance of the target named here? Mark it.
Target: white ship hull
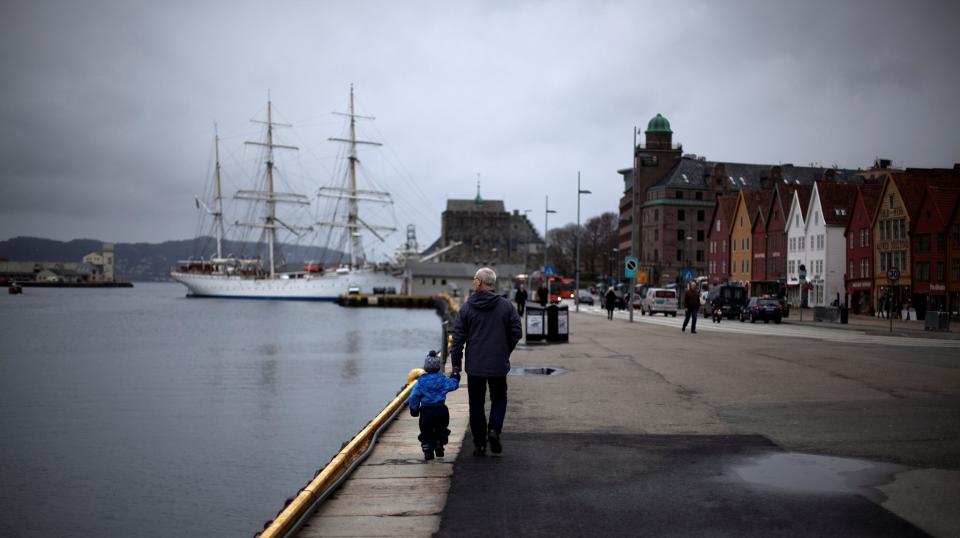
(324, 287)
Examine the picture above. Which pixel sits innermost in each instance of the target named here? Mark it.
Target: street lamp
(576, 288)
(526, 245)
(546, 214)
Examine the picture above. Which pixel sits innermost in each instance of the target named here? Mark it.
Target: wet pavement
(602, 484)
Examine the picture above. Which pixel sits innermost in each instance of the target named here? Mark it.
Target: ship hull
(326, 287)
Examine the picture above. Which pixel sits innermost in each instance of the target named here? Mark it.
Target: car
(585, 297)
(765, 309)
(659, 300)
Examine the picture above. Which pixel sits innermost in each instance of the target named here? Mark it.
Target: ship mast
(218, 214)
(352, 194)
(271, 197)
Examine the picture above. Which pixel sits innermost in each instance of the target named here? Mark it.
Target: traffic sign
(630, 267)
(550, 270)
(893, 274)
(688, 274)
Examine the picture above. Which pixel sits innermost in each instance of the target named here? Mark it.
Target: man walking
(521, 299)
(490, 327)
(691, 301)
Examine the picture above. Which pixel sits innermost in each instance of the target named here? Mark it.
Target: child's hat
(432, 363)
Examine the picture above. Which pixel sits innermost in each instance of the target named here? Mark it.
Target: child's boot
(427, 452)
(438, 450)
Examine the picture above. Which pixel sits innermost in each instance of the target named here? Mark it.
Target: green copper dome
(659, 124)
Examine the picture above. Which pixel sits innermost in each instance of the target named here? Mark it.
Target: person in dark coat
(490, 328)
(542, 295)
(521, 299)
(610, 301)
(691, 301)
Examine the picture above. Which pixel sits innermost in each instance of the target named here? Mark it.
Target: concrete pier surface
(738, 430)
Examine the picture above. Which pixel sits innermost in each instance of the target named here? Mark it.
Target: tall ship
(265, 276)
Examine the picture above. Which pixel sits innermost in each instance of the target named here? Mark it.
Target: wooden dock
(394, 492)
(389, 301)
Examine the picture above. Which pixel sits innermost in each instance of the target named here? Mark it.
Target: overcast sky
(108, 107)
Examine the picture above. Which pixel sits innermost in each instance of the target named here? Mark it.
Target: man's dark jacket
(490, 327)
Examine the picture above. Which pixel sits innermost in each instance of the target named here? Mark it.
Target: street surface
(739, 430)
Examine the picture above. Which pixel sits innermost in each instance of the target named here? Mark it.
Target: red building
(953, 263)
(929, 248)
(777, 232)
(718, 239)
(760, 281)
(858, 276)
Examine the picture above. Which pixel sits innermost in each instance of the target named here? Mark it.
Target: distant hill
(148, 262)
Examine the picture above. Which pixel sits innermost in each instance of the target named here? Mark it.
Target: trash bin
(844, 315)
(536, 330)
(937, 321)
(558, 323)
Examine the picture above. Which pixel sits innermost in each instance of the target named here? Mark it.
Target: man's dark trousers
(477, 393)
(691, 313)
(434, 420)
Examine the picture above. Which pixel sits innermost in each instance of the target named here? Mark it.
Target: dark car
(729, 299)
(765, 309)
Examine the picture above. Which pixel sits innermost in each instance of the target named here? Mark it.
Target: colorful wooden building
(859, 274)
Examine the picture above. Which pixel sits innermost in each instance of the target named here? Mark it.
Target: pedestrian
(691, 301)
(428, 401)
(610, 301)
(542, 294)
(490, 328)
(521, 299)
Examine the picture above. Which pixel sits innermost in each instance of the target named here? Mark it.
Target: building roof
(944, 201)
(836, 202)
(693, 173)
(758, 203)
(804, 192)
(912, 184)
(725, 208)
(658, 124)
(871, 197)
(484, 206)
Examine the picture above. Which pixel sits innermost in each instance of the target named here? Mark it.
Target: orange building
(741, 235)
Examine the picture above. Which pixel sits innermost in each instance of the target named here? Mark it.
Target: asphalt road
(654, 432)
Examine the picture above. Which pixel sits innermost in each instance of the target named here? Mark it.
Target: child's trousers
(434, 420)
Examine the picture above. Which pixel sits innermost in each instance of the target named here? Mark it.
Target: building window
(941, 242)
(699, 255)
(700, 235)
(681, 214)
(656, 215)
(680, 235)
(741, 221)
(723, 245)
(679, 255)
(699, 195)
(656, 234)
(864, 267)
(679, 195)
(939, 271)
(890, 200)
(700, 215)
(717, 227)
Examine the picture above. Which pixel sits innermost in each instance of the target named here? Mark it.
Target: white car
(659, 300)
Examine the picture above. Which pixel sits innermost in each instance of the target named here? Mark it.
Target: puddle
(536, 371)
(821, 475)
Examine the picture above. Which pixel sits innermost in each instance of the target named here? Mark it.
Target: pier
(643, 430)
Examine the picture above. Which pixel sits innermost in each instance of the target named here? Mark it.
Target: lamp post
(546, 214)
(526, 245)
(576, 287)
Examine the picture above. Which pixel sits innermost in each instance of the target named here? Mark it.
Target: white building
(797, 259)
(103, 261)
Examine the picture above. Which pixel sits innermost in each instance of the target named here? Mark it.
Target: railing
(298, 509)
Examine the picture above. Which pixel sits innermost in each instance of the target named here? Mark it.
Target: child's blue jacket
(432, 389)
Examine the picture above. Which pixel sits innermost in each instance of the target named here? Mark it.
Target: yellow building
(741, 235)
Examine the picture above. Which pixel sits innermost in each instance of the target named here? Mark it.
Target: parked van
(659, 300)
(729, 299)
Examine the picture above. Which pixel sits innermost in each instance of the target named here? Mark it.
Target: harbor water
(140, 412)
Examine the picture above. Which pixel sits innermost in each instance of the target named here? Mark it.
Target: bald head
(485, 279)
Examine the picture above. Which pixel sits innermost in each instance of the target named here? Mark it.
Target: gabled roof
(944, 201)
(836, 202)
(868, 196)
(725, 207)
(912, 184)
(760, 201)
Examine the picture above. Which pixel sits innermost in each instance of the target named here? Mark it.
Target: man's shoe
(480, 451)
(683, 329)
(438, 451)
(693, 332)
(427, 454)
(494, 437)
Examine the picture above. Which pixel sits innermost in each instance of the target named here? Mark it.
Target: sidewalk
(649, 433)
(872, 324)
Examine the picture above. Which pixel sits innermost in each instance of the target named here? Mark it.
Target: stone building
(490, 235)
(669, 198)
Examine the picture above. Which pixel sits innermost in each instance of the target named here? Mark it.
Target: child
(427, 401)
(717, 314)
